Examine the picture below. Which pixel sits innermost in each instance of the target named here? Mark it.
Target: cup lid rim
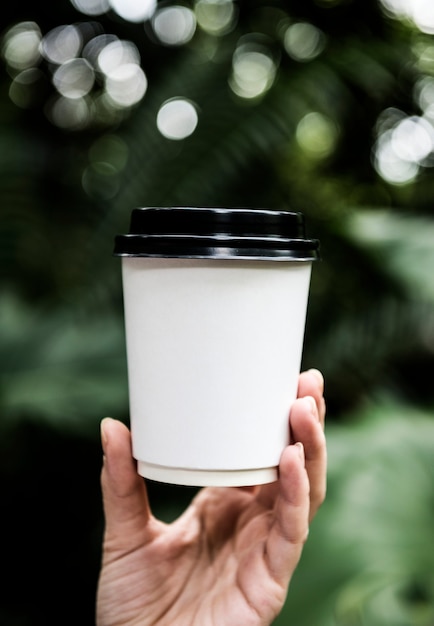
(217, 232)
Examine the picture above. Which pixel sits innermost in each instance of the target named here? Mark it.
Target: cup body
(214, 341)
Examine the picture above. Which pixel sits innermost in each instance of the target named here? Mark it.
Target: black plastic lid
(223, 233)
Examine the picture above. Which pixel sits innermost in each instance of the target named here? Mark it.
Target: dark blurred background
(322, 106)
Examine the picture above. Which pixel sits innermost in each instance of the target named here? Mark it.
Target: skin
(229, 558)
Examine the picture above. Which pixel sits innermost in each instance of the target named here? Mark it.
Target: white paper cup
(214, 341)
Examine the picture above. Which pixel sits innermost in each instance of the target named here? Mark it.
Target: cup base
(207, 478)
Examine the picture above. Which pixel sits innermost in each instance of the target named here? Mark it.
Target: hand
(229, 558)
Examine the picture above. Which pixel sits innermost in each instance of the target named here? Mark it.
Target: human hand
(228, 559)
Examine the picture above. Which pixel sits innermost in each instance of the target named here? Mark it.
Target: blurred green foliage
(312, 141)
(369, 559)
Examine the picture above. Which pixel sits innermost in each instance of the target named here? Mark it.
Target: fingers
(291, 523)
(306, 427)
(302, 479)
(125, 499)
(311, 383)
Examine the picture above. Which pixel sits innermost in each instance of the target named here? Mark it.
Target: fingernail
(312, 404)
(318, 376)
(104, 438)
(300, 450)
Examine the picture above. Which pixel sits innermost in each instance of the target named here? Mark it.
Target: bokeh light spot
(134, 10)
(105, 113)
(117, 53)
(61, 44)
(424, 56)
(95, 46)
(177, 118)
(412, 139)
(174, 26)
(69, 114)
(424, 93)
(404, 145)
(388, 164)
(253, 70)
(74, 79)
(27, 88)
(216, 17)
(420, 12)
(303, 41)
(126, 85)
(317, 135)
(21, 44)
(91, 7)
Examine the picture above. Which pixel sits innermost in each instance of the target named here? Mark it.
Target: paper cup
(215, 306)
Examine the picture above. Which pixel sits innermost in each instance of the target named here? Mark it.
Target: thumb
(125, 500)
